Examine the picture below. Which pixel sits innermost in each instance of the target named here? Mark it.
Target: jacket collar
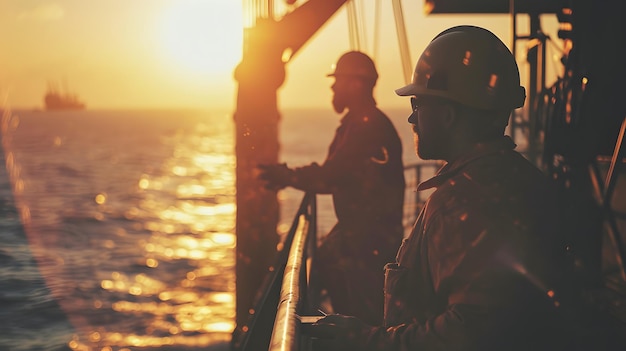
(478, 151)
(357, 112)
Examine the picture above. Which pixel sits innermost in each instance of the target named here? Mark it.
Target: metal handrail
(285, 335)
(295, 279)
(261, 324)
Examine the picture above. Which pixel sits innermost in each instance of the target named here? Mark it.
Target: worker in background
(364, 173)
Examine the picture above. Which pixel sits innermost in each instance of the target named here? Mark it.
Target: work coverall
(364, 173)
(484, 267)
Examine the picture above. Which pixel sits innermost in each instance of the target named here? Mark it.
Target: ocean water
(117, 227)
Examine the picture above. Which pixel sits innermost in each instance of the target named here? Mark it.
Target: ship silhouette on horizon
(61, 99)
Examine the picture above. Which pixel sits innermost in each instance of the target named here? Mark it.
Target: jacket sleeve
(349, 156)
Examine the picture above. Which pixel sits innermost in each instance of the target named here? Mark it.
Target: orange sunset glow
(119, 54)
(202, 37)
(182, 53)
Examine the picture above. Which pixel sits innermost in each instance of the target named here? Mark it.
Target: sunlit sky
(118, 54)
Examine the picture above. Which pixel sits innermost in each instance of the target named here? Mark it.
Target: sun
(202, 36)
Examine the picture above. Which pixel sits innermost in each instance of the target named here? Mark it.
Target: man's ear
(449, 118)
(356, 84)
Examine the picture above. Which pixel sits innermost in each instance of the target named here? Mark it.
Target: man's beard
(424, 149)
(338, 104)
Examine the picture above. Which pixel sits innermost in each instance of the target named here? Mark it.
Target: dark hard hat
(355, 63)
(469, 65)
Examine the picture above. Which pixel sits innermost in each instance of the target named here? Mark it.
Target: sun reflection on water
(192, 302)
(130, 217)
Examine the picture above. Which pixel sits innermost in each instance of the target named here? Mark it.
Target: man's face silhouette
(342, 92)
(430, 122)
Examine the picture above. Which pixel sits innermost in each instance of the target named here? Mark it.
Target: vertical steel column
(260, 74)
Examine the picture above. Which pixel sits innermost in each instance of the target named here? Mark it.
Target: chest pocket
(396, 310)
(409, 295)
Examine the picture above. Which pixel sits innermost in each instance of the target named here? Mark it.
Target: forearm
(315, 178)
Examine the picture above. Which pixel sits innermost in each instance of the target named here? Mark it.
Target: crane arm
(298, 26)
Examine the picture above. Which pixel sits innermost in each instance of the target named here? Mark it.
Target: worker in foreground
(485, 267)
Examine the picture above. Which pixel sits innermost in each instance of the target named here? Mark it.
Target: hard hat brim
(406, 90)
(414, 90)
